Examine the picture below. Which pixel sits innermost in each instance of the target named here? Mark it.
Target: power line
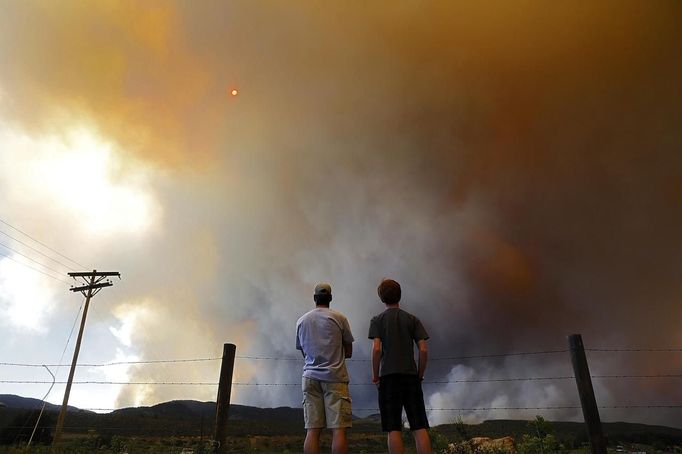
(36, 250)
(68, 339)
(35, 269)
(42, 244)
(29, 258)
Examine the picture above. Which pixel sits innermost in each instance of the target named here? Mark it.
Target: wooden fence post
(586, 392)
(223, 399)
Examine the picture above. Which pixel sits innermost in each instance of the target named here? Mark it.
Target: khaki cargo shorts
(326, 404)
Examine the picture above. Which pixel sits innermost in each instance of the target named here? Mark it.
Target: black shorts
(397, 391)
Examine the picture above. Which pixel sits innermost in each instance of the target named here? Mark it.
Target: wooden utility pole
(586, 392)
(223, 399)
(94, 282)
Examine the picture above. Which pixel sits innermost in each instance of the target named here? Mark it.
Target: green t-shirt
(399, 331)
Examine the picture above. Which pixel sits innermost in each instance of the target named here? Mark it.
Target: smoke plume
(515, 166)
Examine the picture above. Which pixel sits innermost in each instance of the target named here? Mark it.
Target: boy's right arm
(423, 357)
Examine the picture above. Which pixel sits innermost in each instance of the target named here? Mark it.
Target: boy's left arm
(376, 359)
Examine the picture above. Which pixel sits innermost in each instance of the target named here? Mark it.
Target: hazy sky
(517, 168)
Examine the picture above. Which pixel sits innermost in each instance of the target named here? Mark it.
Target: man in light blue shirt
(325, 339)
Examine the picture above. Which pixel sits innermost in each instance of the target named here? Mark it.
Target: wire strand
(41, 243)
(68, 339)
(445, 358)
(38, 251)
(35, 269)
(273, 358)
(29, 258)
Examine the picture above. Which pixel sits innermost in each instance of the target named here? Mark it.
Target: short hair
(389, 291)
(322, 300)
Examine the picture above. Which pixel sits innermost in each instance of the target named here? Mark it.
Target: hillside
(12, 401)
(193, 418)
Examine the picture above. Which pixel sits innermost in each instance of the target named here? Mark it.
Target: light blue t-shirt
(320, 335)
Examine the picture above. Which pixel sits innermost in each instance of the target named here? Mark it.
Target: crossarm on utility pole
(91, 287)
(96, 274)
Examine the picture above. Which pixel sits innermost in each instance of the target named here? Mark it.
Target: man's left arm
(347, 350)
(298, 341)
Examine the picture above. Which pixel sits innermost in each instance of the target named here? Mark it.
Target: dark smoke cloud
(516, 168)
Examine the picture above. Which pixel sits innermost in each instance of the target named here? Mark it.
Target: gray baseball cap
(323, 289)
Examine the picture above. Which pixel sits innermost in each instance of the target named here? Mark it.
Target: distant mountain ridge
(183, 409)
(28, 403)
(175, 409)
(190, 417)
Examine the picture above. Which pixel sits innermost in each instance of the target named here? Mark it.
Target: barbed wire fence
(300, 359)
(296, 383)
